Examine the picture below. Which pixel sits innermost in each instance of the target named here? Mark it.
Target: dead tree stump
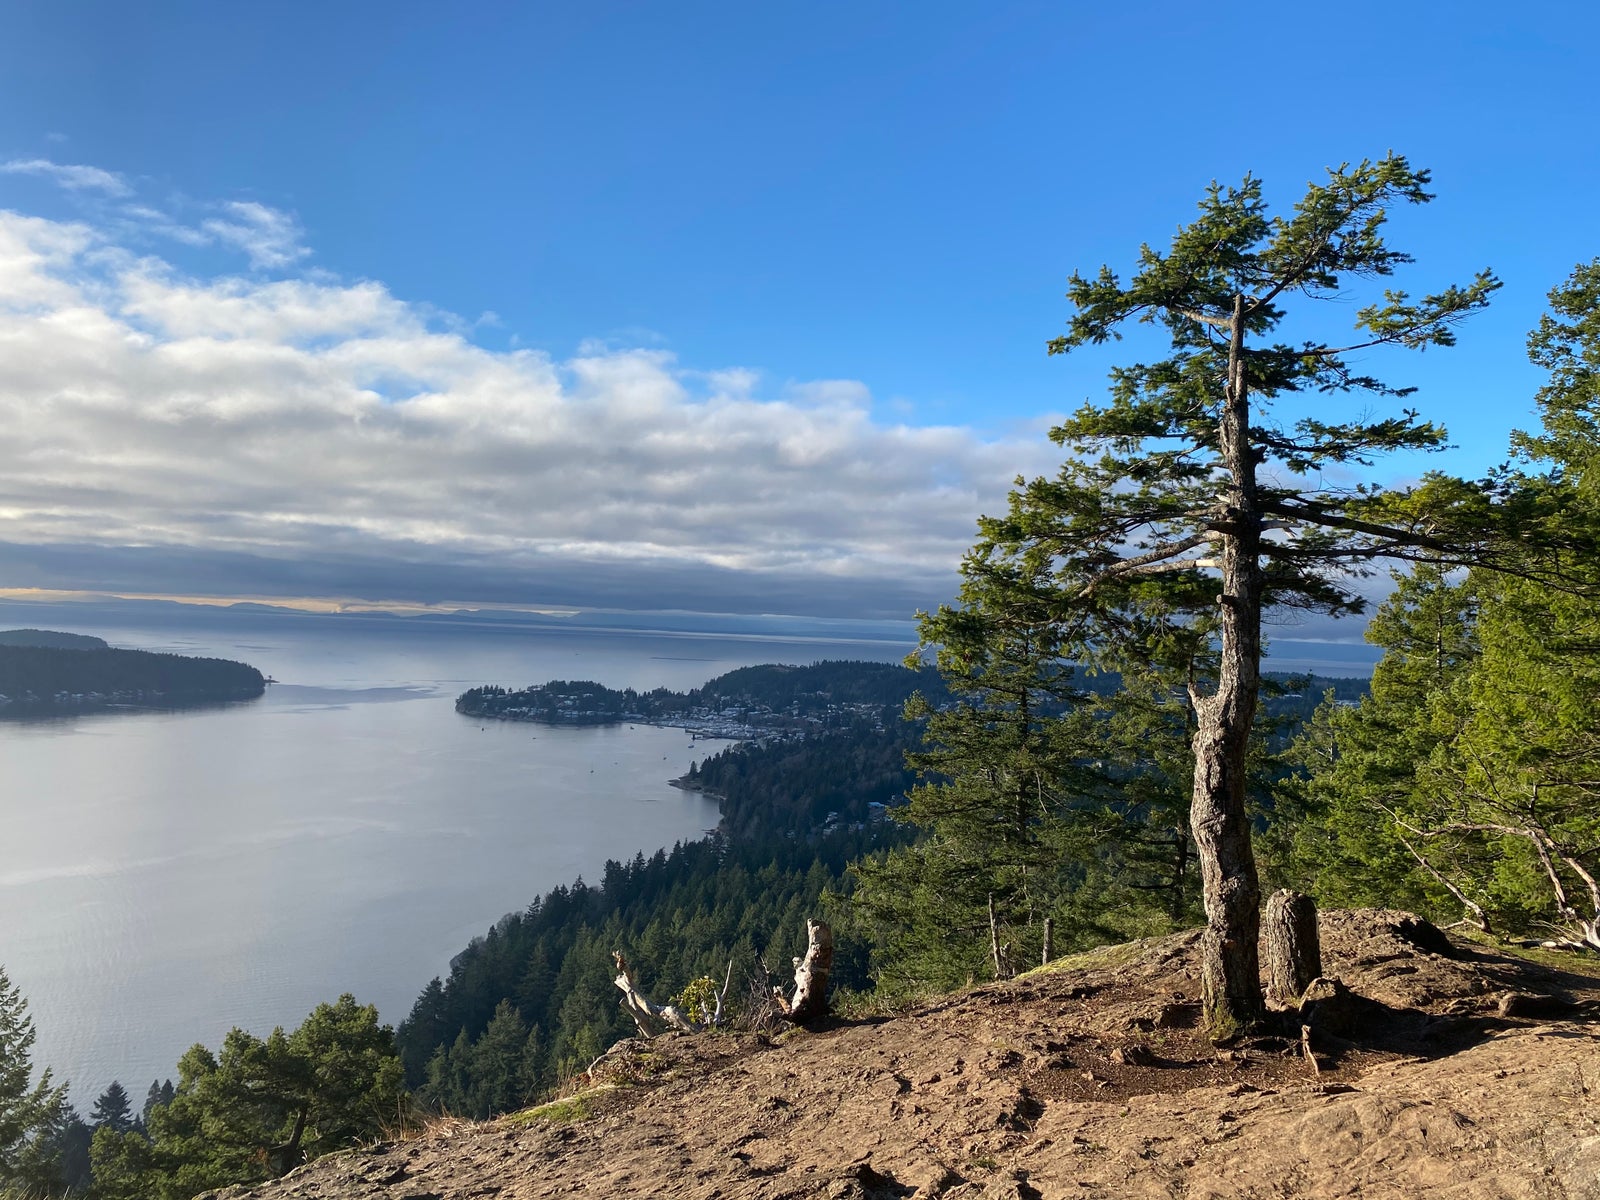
(810, 976)
(1290, 946)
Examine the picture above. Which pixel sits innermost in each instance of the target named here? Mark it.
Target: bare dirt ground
(1464, 1074)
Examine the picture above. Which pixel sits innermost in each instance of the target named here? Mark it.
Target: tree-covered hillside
(532, 1001)
(838, 777)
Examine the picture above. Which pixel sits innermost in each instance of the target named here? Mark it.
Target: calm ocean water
(166, 876)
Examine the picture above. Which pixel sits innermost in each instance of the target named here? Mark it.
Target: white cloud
(270, 236)
(74, 178)
(303, 419)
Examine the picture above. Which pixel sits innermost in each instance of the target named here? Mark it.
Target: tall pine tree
(1002, 774)
(1187, 503)
(29, 1110)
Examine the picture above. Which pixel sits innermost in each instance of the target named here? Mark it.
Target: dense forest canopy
(1467, 782)
(532, 1002)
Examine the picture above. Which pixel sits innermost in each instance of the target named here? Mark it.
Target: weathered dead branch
(652, 1018)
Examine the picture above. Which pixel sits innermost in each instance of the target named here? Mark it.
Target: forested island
(42, 671)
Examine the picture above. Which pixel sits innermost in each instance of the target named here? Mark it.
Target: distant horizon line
(588, 619)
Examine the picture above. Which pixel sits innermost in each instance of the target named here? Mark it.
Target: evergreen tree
(259, 1107)
(1187, 505)
(1002, 792)
(63, 1147)
(113, 1110)
(29, 1111)
(160, 1093)
(498, 1067)
(448, 1085)
(531, 1071)
(1467, 779)
(1363, 762)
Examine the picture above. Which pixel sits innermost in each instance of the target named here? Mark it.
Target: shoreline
(698, 728)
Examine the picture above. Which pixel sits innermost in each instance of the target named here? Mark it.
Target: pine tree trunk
(1230, 968)
(1290, 945)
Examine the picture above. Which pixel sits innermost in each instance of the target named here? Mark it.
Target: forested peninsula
(747, 702)
(42, 671)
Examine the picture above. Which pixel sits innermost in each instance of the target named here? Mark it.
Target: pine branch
(1154, 561)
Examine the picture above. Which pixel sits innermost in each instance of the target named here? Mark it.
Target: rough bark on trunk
(285, 1158)
(1230, 967)
(1049, 940)
(810, 976)
(1291, 946)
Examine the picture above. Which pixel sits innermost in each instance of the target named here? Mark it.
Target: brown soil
(1462, 1075)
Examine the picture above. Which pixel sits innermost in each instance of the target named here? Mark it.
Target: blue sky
(724, 226)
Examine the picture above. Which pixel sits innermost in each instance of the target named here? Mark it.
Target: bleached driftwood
(810, 991)
(810, 977)
(652, 1018)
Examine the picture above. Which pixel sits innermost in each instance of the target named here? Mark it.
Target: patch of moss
(566, 1111)
(1101, 958)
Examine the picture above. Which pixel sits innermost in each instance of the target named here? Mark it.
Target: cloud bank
(276, 432)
